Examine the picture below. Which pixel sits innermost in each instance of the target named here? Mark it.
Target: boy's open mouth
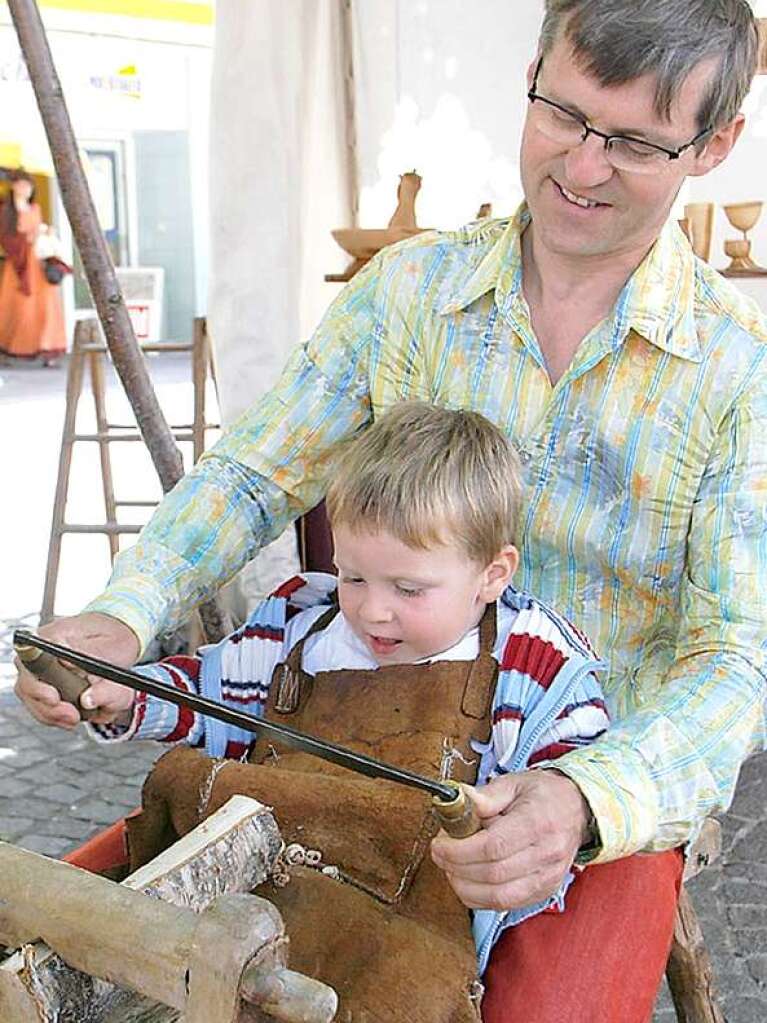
(383, 644)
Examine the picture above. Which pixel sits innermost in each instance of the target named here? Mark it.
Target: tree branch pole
(126, 355)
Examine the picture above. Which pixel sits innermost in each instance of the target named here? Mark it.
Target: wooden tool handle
(70, 682)
(458, 817)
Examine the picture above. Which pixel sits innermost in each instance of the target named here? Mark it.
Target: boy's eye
(352, 579)
(409, 591)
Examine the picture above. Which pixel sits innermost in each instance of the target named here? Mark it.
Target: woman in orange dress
(31, 310)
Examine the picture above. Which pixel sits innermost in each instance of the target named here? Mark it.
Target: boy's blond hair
(430, 476)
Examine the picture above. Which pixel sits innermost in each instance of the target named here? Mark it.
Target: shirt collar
(657, 302)
(500, 269)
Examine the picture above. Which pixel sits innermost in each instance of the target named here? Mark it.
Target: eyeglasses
(621, 151)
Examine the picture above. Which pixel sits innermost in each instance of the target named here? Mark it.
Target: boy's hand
(91, 633)
(533, 824)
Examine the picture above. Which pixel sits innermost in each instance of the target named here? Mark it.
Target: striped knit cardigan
(547, 698)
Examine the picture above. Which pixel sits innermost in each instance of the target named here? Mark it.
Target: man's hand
(95, 634)
(533, 823)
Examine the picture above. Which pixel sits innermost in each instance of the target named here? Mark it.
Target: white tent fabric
(440, 87)
(279, 184)
(436, 88)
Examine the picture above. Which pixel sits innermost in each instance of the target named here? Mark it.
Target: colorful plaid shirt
(645, 474)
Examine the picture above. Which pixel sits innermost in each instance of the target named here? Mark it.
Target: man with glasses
(633, 381)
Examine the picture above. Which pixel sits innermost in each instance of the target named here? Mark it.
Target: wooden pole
(350, 118)
(97, 263)
(91, 244)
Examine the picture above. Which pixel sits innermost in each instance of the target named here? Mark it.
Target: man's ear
(718, 147)
(498, 573)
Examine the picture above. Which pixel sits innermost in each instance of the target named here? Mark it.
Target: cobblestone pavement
(58, 788)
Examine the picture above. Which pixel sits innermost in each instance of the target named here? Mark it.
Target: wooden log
(234, 850)
(190, 954)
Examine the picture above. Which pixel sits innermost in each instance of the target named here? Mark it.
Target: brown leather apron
(374, 917)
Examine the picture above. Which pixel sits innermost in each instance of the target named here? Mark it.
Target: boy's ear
(498, 573)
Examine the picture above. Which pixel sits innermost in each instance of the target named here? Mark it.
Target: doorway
(105, 169)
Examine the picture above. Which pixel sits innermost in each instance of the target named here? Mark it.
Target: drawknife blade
(445, 792)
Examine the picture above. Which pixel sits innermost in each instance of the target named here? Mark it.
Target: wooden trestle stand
(89, 350)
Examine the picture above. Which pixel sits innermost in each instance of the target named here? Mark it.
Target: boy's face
(406, 604)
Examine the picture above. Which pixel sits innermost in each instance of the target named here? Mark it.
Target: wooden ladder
(89, 348)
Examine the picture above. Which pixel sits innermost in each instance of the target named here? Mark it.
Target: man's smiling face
(581, 206)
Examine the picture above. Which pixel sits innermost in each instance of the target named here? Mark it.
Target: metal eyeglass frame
(672, 154)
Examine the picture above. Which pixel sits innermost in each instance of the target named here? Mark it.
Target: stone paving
(57, 788)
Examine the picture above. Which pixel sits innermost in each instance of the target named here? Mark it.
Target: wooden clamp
(201, 963)
(241, 938)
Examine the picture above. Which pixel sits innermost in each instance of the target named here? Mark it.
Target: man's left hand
(533, 824)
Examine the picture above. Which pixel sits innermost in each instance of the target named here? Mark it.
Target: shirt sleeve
(270, 467)
(235, 673)
(157, 719)
(654, 776)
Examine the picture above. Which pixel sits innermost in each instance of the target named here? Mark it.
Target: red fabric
(289, 587)
(602, 960)
(185, 719)
(534, 656)
(189, 665)
(106, 850)
(31, 309)
(553, 751)
(16, 248)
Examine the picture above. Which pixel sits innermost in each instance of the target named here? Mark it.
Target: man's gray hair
(617, 41)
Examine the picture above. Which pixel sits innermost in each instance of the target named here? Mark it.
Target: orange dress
(32, 318)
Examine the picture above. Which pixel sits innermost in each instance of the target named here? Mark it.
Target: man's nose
(587, 165)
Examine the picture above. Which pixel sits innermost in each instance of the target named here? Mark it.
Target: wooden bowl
(737, 248)
(743, 215)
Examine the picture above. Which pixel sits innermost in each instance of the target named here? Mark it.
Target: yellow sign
(15, 154)
(10, 154)
(159, 10)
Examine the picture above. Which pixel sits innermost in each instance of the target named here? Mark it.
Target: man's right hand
(90, 633)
